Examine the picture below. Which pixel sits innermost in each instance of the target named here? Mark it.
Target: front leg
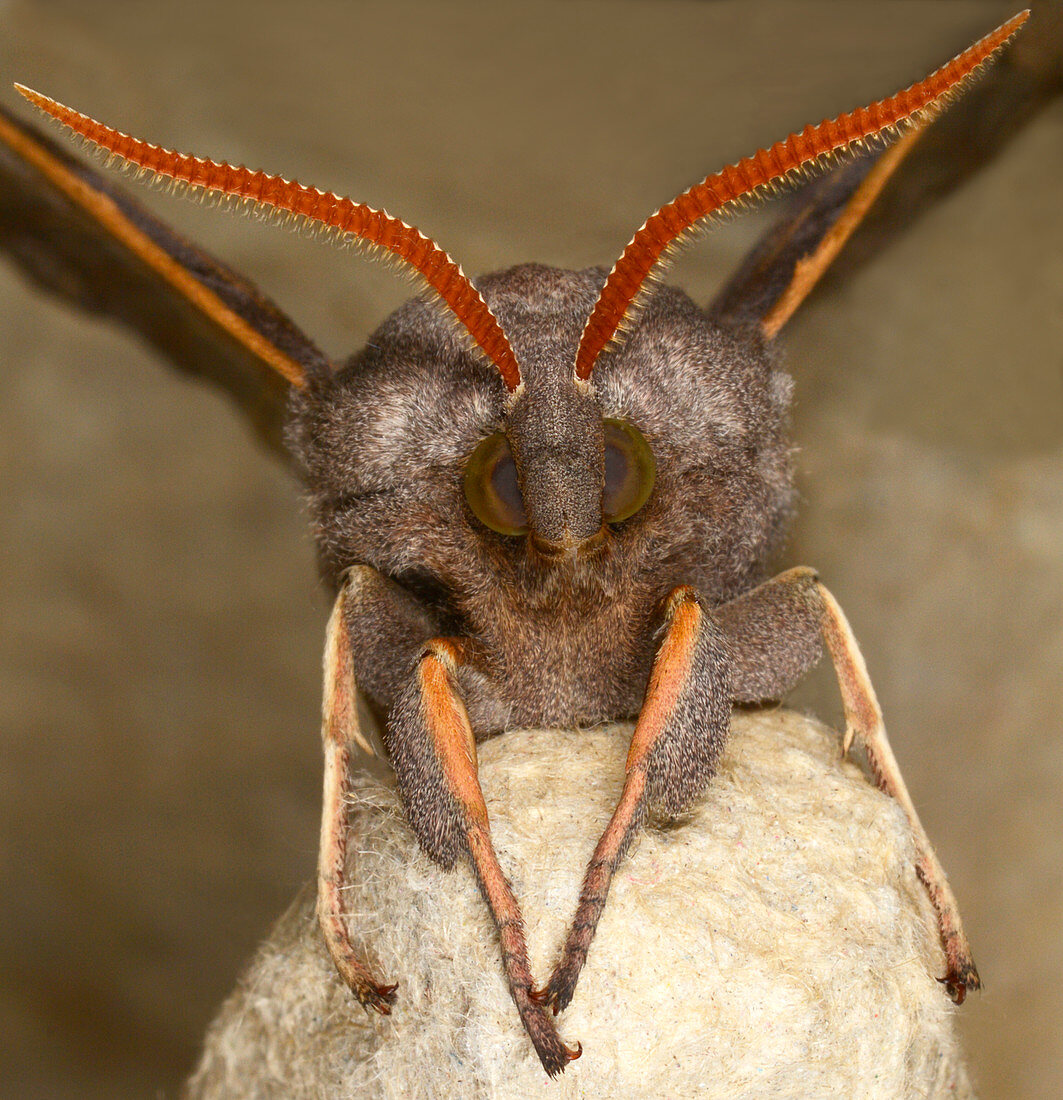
(775, 630)
(433, 751)
(376, 627)
(754, 649)
(340, 732)
(674, 752)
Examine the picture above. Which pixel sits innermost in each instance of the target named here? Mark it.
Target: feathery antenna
(767, 168)
(345, 217)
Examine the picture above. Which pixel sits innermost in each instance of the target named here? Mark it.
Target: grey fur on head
(383, 446)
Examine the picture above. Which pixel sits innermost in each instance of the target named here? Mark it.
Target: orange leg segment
(864, 719)
(447, 724)
(339, 732)
(669, 682)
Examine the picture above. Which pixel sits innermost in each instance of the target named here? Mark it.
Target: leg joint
(447, 652)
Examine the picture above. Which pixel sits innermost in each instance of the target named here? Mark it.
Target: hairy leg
(774, 636)
(864, 719)
(673, 754)
(379, 629)
(339, 732)
(434, 753)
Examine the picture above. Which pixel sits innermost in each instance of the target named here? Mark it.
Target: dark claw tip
(958, 981)
(554, 1055)
(957, 988)
(548, 997)
(379, 998)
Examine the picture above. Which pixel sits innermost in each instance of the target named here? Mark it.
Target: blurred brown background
(161, 626)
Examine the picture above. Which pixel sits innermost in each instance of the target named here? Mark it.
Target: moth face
(419, 453)
(679, 424)
(575, 488)
(556, 470)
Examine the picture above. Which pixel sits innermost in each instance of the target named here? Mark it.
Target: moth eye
(629, 471)
(491, 487)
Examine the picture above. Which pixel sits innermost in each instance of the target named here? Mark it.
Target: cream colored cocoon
(775, 942)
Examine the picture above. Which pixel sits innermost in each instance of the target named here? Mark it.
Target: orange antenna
(782, 162)
(349, 220)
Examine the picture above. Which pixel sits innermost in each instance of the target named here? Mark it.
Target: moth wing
(79, 236)
(883, 193)
(787, 262)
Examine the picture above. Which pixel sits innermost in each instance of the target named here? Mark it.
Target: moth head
(391, 442)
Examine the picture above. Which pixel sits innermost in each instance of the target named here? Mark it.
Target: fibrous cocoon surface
(775, 942)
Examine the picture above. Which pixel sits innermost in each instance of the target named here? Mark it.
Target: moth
(559, 510)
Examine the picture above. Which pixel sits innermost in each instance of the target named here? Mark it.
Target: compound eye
(491, 487)
(629, 471)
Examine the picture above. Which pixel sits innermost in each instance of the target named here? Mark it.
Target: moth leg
(864, 718)
(434, 753)
(772, 632)
(674, 751)
(339, 732)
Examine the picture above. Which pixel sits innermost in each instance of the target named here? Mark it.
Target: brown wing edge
(79, 236)
(787, 262)
(802, 252)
